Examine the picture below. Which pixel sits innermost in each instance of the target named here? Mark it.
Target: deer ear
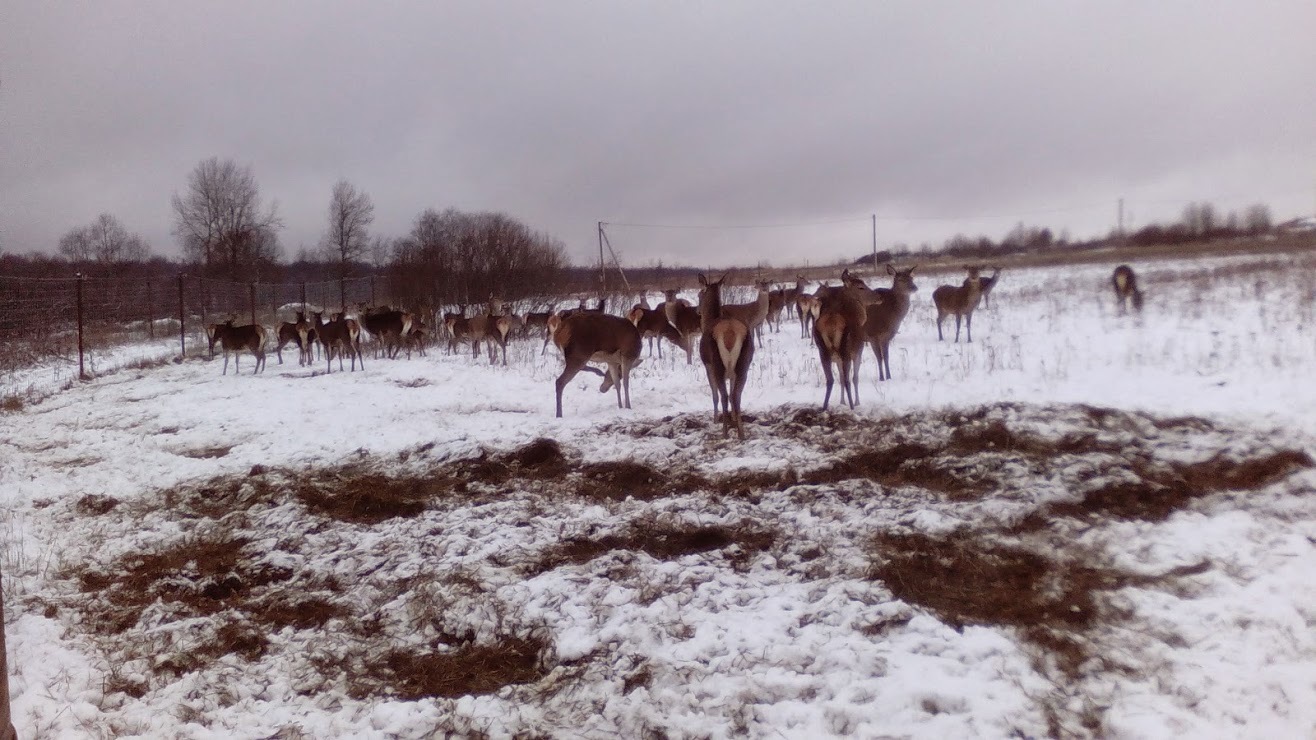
(703, 280)
(889, 269)
(913, 268)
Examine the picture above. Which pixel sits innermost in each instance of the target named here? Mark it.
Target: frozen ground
(1080, 524)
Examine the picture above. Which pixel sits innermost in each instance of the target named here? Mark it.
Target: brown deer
(838, 332)
(342, 334)
(1126, 288)
(295, 332)
(988, 284)
(685, 318)
(653, 325)
(753, 314)
(884, 318)
(590, 336)
(239, 339)
(960, 301)
(390, 325)
(726, 347)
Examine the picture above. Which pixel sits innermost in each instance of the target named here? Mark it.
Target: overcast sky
(938, 117)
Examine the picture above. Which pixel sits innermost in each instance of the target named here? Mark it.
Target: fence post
(182, 321)
(6, 720)
(252, 287)
(201, 291)
(82, 373)
(150, 307)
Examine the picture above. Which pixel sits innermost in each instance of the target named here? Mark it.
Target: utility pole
(874, 243)
(603, 272)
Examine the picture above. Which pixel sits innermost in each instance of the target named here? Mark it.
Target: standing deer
(960, 301)
(653, 325)
(753, 314)
(726, 347)
(685, 318)
(341, 333)
(838, 332)
(238, 339)
(778, 299)
(1126, 288)
(988, 284)
(884, 318)
(296, 332)
(589, 336)
(391, 326)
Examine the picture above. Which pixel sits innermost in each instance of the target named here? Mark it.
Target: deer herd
(840, 319)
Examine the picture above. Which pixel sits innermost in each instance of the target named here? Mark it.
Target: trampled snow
(787, 629)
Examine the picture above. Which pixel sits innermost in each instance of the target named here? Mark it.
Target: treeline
(1199, 222)
(227, 232)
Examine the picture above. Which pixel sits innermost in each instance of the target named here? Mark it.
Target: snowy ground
(1080, 524)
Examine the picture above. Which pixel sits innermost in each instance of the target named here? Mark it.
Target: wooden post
(182, 322)
(201, 291)
(252, 287)
(150, 308)
(82, 372)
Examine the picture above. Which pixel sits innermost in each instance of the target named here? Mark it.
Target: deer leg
(958, 317)
(968, 326)
(573, 366)
(827, 373)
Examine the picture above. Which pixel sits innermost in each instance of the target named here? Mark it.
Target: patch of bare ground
(467, 669)
(664, 542)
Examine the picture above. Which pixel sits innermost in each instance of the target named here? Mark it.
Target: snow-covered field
(1080, 524)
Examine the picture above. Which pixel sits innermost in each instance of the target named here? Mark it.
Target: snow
(793, 639)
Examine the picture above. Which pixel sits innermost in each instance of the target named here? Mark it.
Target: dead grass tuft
(93, 504)
(363, 497)
(658, 541)
(470, 669)
(12, 403)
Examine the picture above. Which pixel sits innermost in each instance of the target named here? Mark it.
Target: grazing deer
(296, 333)
(960, 301)
(884, 318)
(416, 338)
(341, 333)
(726, 347)
(753, 314)
(590, 336)
(685, 318)
(653, 325)
(391, 326)
(988, 284)
(1126, 288)
(838, 332)
(238, 339)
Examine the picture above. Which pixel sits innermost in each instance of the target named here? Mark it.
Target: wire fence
(64, 329)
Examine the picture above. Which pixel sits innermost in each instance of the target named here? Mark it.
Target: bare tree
(350, 214)
(222, 224)
(104, 242)
(1257, 219)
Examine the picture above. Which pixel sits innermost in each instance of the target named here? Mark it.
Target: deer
(590, 336)
(988, 284)
(838, 333)
(492, 327)
(726, 347)
(753, 314)
(294, 332)
(416, 338)
(342, 333)
(778, 299)
(959, 300)
(537, 320)
(653, 325)
(390, 325)
(884, 318)
(1125, 283)
(684, 318)
(806, 306)
(238, 339)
